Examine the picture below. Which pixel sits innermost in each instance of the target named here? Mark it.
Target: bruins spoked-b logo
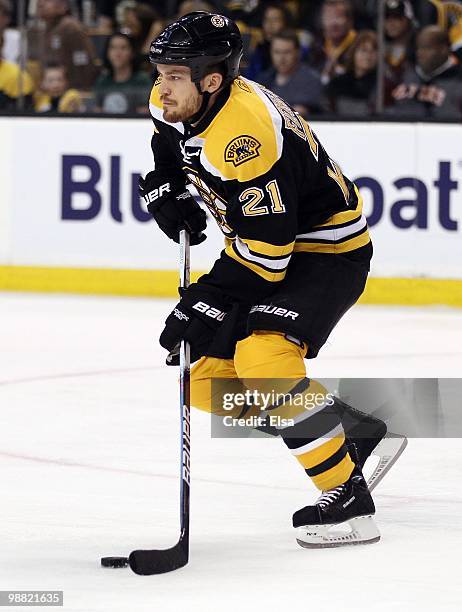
(218, 21)
(241, 149)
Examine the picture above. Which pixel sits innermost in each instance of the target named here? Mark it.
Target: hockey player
(296, 257)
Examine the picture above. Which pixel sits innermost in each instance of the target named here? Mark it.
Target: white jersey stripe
(274, 264)
(335, 234)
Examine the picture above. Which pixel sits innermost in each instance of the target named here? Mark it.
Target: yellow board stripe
(164, 283)
(159, 283)
(413, 291)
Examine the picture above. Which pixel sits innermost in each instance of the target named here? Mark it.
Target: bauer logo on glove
(172, 206)
(196, 318)
(211, 312)
(155, 194)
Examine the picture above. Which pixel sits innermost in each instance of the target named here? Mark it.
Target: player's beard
(188, 108)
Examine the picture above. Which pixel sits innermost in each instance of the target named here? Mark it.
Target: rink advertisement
(79, 208)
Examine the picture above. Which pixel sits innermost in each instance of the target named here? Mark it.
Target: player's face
(178, 94)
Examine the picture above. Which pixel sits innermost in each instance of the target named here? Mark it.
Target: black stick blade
(149, 562)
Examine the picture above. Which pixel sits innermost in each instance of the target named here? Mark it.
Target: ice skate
(341, 516)
(367, 435)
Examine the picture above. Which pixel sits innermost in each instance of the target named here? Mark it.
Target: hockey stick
(148, 562)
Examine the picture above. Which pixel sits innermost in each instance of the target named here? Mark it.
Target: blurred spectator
(13, 82)
(276, 18)
(11, 37)
(364, 13)
(433, 88)
(329, 55)
(425, 11)
(106, 10)
(310, 14)
(353, 94)
(289, 78)
(245, 11)
(63, 40)
(123, 88)
(142, 24)
(448, 16)
(189, 6)
(445, 14)
(400, 36)
(54, 94)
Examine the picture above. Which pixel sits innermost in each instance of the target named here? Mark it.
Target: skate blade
(388, 450)
(363, 530)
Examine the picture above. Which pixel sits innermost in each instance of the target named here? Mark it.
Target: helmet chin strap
(205, 100)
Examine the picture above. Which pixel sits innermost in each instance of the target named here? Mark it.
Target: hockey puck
(114, 561)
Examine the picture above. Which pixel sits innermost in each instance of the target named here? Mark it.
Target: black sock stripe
(311, 428)
(244, 411)
(300, 387)
(328, 463)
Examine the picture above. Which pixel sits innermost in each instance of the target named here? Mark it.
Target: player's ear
(212, 82)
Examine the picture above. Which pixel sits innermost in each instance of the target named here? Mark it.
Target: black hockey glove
(196, 318)
(173, 207)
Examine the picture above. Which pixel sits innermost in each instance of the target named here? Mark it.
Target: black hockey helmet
(200, 40)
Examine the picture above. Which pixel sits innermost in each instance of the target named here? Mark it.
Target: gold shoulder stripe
(271, 250)
(244, 140)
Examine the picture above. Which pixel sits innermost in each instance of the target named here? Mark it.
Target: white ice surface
(89, 467)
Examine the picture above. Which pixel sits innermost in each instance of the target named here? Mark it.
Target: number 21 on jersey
(253, 197)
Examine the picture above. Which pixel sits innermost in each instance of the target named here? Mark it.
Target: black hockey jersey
(266, 179)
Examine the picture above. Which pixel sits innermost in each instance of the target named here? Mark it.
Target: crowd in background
(321, 56)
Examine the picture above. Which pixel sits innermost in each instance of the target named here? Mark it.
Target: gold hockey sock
(211, 379)
(267, 362)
